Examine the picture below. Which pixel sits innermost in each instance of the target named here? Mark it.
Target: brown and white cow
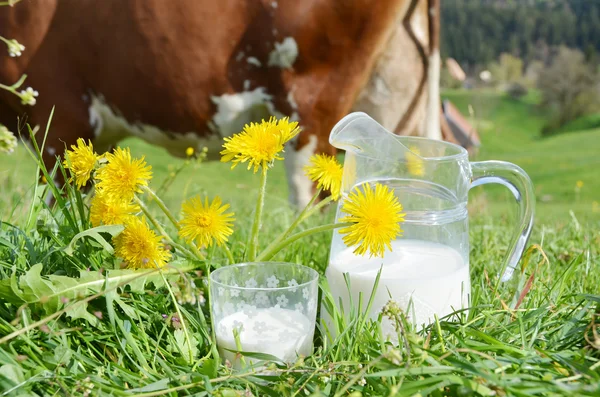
(188, 72)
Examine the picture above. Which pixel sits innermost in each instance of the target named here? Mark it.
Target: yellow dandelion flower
(259, 143)
(139, 247)
(206, 223)
(81, 161)
(123, 176)
(189, 151)
(327, 172)
(104, 211)
(414, 162)
(579, 184)
(375, 215)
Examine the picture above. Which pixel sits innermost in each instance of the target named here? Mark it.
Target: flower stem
(162, 206)
(303, 215)
(229, 254)
(253, 246)
(197, 252)
(152, 219)
(267, 255)
(317, 207)
(15, 86)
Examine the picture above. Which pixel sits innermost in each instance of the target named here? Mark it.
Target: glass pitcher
(427, 271)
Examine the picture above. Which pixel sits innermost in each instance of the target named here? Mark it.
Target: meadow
(535, 335)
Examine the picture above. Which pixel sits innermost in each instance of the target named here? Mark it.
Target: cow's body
(188, 72)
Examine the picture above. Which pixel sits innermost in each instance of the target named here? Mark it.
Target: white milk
(432, 278)
(282, 333)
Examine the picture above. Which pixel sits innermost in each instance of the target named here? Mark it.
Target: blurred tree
(532, 73)
(476, 32)
(569, 88)
(508, 70)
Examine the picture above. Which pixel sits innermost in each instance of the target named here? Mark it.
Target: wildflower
(81, 160)
(8, 142)
(206, 223)
(122, 177)
(189, 151)
(139, 246)
(327, 172)
(579, 184)
(104, 211)
(15, 49)
(28, 96)
(414, 162)
(259, 143)
(375, 215)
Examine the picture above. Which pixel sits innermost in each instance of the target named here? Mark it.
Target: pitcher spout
(353, 132)
(360, 134)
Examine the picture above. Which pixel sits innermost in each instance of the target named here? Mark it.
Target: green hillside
(509, 131)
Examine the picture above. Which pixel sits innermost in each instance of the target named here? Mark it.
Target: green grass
(587, 122)
(532, 336)
(510, 131)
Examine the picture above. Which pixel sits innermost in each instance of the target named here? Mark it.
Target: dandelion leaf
(36, 289)
(54, 292)
(9, 290)
(180, 344)
(94, 233)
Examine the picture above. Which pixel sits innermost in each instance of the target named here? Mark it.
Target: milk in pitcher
(424, 278)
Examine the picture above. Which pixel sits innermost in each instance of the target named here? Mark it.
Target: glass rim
(314, 276)
(460, 154)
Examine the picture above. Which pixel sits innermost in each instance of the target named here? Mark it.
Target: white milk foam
(431, 278)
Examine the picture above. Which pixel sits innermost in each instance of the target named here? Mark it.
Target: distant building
(485, 76)
(456, 128)
(455, 70)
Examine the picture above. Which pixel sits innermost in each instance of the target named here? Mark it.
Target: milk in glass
(282, 333)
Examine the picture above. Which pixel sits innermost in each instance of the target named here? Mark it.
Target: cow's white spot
(235, 110)
(284, 54)
(239, 56)
(274, 4)
(51, 151)
(110, 127)
(95, 120)
(291, 100)
(247, 85)
(254, 61)
(300, 187)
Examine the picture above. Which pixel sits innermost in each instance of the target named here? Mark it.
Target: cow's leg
(297, 156)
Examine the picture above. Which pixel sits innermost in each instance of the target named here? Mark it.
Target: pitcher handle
(518, 182)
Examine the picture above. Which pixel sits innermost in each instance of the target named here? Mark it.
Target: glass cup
(264, 307)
